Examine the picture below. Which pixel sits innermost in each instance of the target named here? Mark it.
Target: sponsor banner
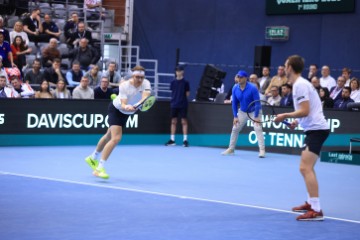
(340, 157)
(21, 117)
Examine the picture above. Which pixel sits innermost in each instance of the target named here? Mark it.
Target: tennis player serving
(132, 93)
(309, 114)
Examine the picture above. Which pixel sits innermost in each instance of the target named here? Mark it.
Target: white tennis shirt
(303, 90)
(131, 93)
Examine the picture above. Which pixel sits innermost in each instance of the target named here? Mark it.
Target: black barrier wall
(23, 120)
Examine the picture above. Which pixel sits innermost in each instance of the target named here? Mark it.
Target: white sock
(172, 137)
(95, 154)
(101, 164)
(315, 204)
(185, 137)
(308, 198)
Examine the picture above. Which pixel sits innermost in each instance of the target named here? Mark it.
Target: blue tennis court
(157, 192)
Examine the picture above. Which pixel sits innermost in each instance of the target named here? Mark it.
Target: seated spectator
(74, 75)
(86, 55)
(315, 81)
(23, 89)
(103, 91)
(112, 75)
(50, 52)
(53, 74)
(13, 72)
(253, 79)
(313, 69)
(18, 31)
(5, 53)
(336, 92)
(19, 51)
(94, 76)
(277, 81)
(355, 92)
(326, 100)
(44, 91)
(61, 91)
(344, 100)
(33, 27)
(93, 9)
(50, 28)
(83, 91)
(326, 79)
(275, 98)
(4, 31)
(346, 73)
(71, 26)
(79, 34)
(286, 99)
(6, 92)
(3, 71)
(34, 76)
(264, 81)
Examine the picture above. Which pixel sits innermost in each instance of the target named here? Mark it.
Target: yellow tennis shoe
(93, 163)
(101, 173)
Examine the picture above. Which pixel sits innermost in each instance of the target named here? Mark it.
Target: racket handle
(286, 123)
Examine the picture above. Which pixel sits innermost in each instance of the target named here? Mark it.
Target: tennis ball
(113, 96)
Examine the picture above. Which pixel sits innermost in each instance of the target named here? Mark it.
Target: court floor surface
(158, 192)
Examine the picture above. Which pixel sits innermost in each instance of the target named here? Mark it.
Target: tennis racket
(269, 113)
(146, 104)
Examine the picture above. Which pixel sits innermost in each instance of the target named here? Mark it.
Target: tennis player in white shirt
(309, 115)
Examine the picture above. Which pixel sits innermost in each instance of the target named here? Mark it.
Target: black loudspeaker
(213, 72)
(206, 94)
(210, 81)
(262, 58)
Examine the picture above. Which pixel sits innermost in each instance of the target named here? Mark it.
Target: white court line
(165, 194)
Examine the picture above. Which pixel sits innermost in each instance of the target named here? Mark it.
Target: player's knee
(174, 121)
(116, 139)
(304, 169)
(183, 121)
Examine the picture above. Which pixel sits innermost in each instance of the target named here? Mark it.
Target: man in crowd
(326, 79)
(23, 89)
(34, 76)
(344, 100)
(103, 91)
(53, 73)
(83, 91)
(75, 75)
(113, 76)
(86, 55)
(286, 99)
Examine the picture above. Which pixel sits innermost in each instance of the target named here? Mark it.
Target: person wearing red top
(19, 50)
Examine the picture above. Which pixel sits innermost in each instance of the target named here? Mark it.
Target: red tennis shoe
(311, 215)
(303, 208)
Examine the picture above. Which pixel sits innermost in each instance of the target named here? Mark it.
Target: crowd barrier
(56, 122)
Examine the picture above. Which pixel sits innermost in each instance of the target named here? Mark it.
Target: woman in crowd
(44, 91)
(19, 50)
(61, 91)
(355, 92)
(18, 31)
(326, 100)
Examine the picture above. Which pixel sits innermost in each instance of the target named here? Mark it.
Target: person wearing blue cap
(244, 93)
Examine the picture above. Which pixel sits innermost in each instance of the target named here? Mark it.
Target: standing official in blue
(244, 93)
(180, 91)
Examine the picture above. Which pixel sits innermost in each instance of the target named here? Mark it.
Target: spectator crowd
(67, 65)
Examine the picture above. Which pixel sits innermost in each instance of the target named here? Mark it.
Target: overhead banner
(280, 7)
